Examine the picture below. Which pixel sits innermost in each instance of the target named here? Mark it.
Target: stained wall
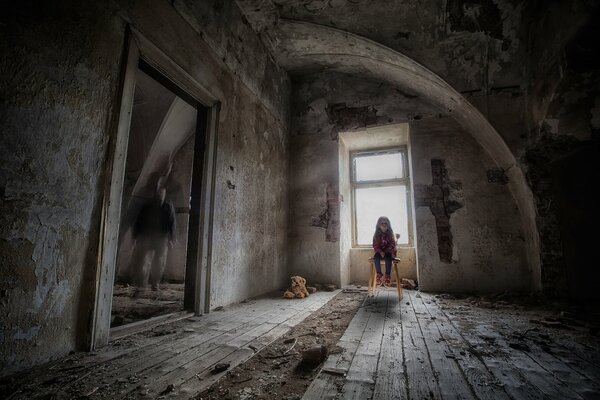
(61, 72)
(468, 228)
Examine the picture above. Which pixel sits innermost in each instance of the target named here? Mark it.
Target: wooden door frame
(138, 47)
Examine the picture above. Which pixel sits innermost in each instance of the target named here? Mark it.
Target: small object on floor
(297, 288)
(311, 289)
(220, 367)
(330, 287)
(220, 308)
(408, 283)
(334, 371)
(318, 286)
(170, 387)
(314, 356)
(154, 287)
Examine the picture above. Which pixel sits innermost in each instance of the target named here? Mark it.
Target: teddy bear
(298, 288)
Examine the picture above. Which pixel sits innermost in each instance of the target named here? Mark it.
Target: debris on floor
(131, 304)
(285, 369)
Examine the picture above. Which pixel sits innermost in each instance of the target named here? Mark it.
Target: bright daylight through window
(380, 187)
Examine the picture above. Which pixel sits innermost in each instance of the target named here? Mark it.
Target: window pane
(372, 203)
(382, 166)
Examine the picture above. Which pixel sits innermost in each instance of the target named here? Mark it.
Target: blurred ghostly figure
(153, 232)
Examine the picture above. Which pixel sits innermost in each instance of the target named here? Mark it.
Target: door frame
(139, 48)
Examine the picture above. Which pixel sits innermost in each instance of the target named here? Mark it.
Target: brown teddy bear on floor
(298, 288)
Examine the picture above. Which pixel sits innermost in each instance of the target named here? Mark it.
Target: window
(380, 186)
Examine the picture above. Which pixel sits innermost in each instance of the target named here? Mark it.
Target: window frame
(403, 181)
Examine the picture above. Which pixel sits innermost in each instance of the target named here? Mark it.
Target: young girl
(384, 244)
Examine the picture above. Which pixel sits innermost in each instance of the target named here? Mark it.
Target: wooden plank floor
(421, 347)
(424, 347)
(174, 359)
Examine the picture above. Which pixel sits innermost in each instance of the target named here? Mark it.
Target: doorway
(191, 117)
(150, 270)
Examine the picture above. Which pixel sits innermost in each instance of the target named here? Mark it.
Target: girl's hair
(378, 233)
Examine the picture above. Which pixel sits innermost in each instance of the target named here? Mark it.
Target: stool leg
(398, 286)
(371, 278)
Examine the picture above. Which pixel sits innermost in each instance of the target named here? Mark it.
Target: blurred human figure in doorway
(153, 232)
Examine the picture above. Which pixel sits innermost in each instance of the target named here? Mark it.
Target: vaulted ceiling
(473, 45)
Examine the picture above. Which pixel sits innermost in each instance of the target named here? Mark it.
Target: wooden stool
(372, 275)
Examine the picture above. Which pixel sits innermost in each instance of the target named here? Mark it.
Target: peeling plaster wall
(489, 250)
(60, 85)
(60, 71)
(472, 44)
(324, 105)
(251, 208)
(345, 215)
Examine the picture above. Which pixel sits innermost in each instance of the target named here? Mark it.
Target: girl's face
(383, 226)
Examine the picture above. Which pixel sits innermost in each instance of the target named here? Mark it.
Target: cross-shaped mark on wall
(438, 197)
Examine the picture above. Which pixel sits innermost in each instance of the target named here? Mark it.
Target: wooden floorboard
(420, 347)
(232, 347)
(426, 352)
(558, 369)
(333, 373)
(450, 378)
(390, 382)
(422, 380)
(481, 380)
(524, 372)
(360, 379)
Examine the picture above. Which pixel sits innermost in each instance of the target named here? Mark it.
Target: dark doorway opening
(158, 236)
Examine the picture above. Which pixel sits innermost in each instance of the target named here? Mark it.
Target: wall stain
(329, 218)
(345, 117)
(437, 197)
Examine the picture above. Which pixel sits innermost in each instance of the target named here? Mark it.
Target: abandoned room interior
(189, 191)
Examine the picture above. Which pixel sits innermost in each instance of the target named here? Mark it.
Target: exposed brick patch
(437, 197)
(321, 221)
(329, 218)
(349, 117)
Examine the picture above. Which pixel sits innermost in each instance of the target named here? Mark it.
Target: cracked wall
(438, 197)
(487, 250)
(60, 80)
(60, 73)
(469, 233)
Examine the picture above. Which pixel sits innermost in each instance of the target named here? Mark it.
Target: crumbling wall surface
(59, 78)
(564, 125)
(323, 105)
(60, 83)
(221, 24)
(250, 220)
(464, 208)
(471, 44)
(469, 230)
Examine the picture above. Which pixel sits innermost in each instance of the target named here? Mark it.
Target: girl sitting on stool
(384, 244)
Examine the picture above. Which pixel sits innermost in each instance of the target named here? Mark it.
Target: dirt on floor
(272, 373)
(131, 304)
(285, 368)
(534, 318)
(529, 321)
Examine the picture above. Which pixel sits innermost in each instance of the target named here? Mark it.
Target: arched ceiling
(305, 46)
(473, 45)
(301, 46)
